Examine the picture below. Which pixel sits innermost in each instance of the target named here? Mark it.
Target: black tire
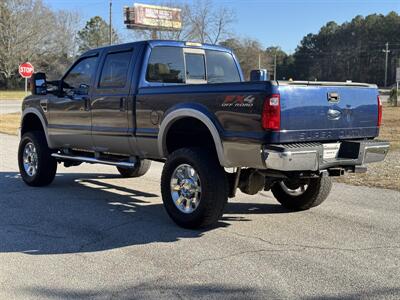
(214, 187)
(316, 192)
(46, 164)
(141, 167)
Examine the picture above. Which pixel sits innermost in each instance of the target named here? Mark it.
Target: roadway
(94, 235)
(10, 106)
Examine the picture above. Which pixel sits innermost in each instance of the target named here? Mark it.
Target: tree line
(31, 31)
(51, 40)
(350, 51)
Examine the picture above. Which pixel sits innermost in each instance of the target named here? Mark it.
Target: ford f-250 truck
(187, 104)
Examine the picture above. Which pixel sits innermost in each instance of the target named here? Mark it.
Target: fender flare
(36, 112)
(181, 113)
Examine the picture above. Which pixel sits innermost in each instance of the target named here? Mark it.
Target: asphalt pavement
(10, 106)
(94, 235)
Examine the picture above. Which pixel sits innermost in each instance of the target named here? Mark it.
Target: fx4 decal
(238, 101)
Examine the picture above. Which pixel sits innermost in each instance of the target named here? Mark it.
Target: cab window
(81, 75)
(166, 65)
(115, 70)
(195, 66)
(221, 67)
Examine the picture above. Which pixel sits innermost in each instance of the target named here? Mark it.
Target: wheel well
(189, 132)
(31, 122)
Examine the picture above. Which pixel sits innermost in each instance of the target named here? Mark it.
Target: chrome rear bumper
(311, 156)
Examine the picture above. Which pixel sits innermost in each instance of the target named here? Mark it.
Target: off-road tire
(214, 187)
(317, 191)
(47, 165)
(141, 167)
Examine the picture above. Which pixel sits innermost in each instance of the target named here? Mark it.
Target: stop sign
(26, 70)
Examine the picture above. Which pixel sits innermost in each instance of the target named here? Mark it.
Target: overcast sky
(282, 22)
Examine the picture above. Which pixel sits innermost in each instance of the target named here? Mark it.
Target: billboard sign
(153, 17)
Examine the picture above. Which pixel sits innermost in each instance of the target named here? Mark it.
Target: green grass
(13, 95)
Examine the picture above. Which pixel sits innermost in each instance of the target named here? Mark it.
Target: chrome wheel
(185, 188)
(293, 189)
(30, 159)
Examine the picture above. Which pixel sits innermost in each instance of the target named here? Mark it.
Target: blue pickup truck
(188, 105)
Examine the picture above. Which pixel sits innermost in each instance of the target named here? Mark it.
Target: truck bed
(307, 113)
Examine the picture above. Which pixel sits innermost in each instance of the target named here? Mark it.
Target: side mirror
(259, 75)
(82, 90)
(38, 84)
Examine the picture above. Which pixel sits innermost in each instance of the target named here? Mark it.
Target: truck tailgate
(328, 112)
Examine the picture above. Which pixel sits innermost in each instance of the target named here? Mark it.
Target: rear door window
(166, 65)
(221, 67)
(115, 70)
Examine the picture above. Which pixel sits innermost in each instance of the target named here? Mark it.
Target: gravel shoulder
(385, 174)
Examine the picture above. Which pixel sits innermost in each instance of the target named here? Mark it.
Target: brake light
(379, 112)
(271, 115)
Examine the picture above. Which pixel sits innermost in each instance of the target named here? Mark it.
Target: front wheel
(36, 165)
(194, 187)
(302, 194)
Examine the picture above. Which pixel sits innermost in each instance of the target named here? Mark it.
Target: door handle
(87, 103)
(122, 103)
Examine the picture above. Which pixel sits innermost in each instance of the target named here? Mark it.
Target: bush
(392, 98)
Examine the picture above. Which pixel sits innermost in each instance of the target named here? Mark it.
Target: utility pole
(259, 61)
(386, 51)
(110, 23)
(275, 65)
(154, 35)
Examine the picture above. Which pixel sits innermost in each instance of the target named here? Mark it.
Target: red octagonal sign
(26, 70)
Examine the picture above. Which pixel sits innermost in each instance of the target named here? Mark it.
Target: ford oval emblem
(334, 114)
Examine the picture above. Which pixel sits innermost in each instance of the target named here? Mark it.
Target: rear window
(115, 69)
(195, 66)
(221, 67)
(166, 65)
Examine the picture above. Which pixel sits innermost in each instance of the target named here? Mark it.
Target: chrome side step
(92, 160)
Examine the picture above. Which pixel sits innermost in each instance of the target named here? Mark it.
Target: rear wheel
(302, 194)
(141, 167)
(194, 187)
(36, 165)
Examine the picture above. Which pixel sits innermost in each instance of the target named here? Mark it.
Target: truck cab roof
(168, 43)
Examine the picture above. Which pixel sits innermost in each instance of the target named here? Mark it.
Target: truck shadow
(159, 289)
(91, 212)
(154, 289)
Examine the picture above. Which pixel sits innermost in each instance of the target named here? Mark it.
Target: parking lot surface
(94, 235)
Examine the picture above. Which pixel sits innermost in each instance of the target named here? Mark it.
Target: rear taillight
(379, 112)
(271, 115)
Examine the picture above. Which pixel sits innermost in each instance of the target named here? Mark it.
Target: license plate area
(330, 151)
(350, 150)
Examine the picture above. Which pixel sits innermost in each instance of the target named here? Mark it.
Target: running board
(92, 160)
